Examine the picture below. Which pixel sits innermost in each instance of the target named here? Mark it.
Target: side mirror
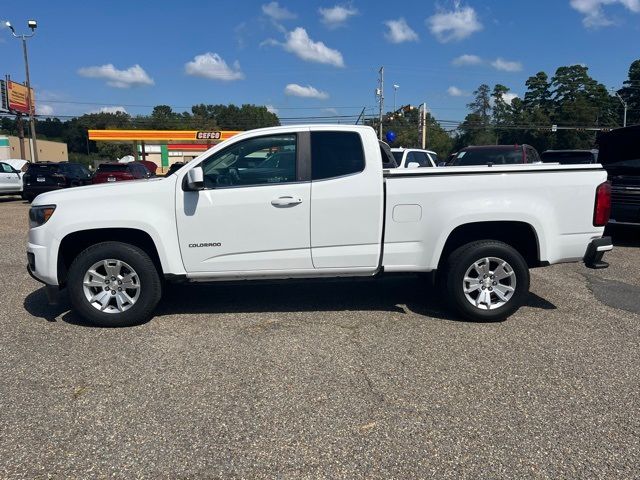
(413, 165)
(442, 164)
(194, 180)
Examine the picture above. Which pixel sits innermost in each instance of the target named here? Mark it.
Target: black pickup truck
(620, 156)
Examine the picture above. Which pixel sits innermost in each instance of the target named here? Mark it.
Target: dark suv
(620, 157)
(47, 176)
(495, 155)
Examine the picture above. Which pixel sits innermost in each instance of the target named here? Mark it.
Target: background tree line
(570, 98)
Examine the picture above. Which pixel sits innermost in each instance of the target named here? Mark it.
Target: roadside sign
(14, 97)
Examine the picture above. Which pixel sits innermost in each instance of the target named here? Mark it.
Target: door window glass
(335, 154)
(257, 161)
(6, 168)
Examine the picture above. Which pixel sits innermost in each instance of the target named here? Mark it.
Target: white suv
(414, 157)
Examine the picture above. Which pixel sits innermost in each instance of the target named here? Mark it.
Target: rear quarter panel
(424, 209)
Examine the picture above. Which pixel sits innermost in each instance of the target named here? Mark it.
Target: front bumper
(52, 291)
(595, 252)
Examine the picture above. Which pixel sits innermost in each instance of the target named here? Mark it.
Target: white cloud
(276, 12)
(454, 25)
(466, 60)
(594, 15)
(331, 111)
(299, 43)
(509, 97)
(295, 90)
(134, 76)
(45, 110)
(336, 16)
(456, 92)
(212, 66)
(506, 65)
(400, 31)
(272, 109)
(109, 110)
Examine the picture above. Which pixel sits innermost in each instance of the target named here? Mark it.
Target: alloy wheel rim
(111, 286)
(489, 283)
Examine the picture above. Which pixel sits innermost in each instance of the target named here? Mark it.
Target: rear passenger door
(346, 200)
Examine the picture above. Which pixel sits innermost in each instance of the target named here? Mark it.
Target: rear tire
(486, 280)
(114, 284)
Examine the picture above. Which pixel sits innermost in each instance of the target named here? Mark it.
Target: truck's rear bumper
(595, 252)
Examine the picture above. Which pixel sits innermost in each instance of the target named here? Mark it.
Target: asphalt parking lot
(310, 380)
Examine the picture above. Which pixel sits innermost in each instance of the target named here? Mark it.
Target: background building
(48, 151)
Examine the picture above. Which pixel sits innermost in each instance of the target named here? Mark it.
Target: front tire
(486, 281)
(114, 284)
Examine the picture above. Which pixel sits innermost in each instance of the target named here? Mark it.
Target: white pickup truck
(301, 202)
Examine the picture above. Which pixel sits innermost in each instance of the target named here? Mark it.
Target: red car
(117, 172)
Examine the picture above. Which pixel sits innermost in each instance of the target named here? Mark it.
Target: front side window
(335, 154)
(257, 161)
(6, 168)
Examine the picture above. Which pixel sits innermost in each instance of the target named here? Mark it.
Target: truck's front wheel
(486, 280)
(114, 284)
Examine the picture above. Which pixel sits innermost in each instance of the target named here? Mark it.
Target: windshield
(398, 157)
(568, 158)
(42, 169)
(483, 156)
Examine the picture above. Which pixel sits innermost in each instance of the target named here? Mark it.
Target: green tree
(630, 92)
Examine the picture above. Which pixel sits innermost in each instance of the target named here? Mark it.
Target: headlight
(40, 214)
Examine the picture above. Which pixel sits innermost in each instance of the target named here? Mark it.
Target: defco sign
(208, 136)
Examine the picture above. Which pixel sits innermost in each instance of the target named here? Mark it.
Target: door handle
(286, 201)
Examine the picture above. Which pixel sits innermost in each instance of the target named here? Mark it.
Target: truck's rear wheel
(113, 284)
(486, 280)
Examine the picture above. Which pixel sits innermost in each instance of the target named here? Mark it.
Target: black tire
(149, 280)
(463, 258)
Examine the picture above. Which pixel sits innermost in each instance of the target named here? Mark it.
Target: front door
(10, 180)
(253, 214)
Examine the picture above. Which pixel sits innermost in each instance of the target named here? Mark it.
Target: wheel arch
(522, 236)
(75, 242)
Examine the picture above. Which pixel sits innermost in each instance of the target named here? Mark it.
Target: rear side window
(335, 154)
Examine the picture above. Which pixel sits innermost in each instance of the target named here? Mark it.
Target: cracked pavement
(346, 379)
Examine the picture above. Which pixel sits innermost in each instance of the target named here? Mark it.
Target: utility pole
(626, 106)
(423, 124)
(32, 25)
(380, 93)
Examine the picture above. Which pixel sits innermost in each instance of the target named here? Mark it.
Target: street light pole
(626, 106)
(32, 123)
(395, 90)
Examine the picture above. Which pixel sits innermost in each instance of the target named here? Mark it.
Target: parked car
(495, 155)
(44, 177)
(18, 164)
(569, 157)
(151, 166)
(174, 168)
(414, 157)
(10, 180)
(334, 212)
(620, 156)
(118, 172)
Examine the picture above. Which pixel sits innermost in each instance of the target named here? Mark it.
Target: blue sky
(308, 58)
